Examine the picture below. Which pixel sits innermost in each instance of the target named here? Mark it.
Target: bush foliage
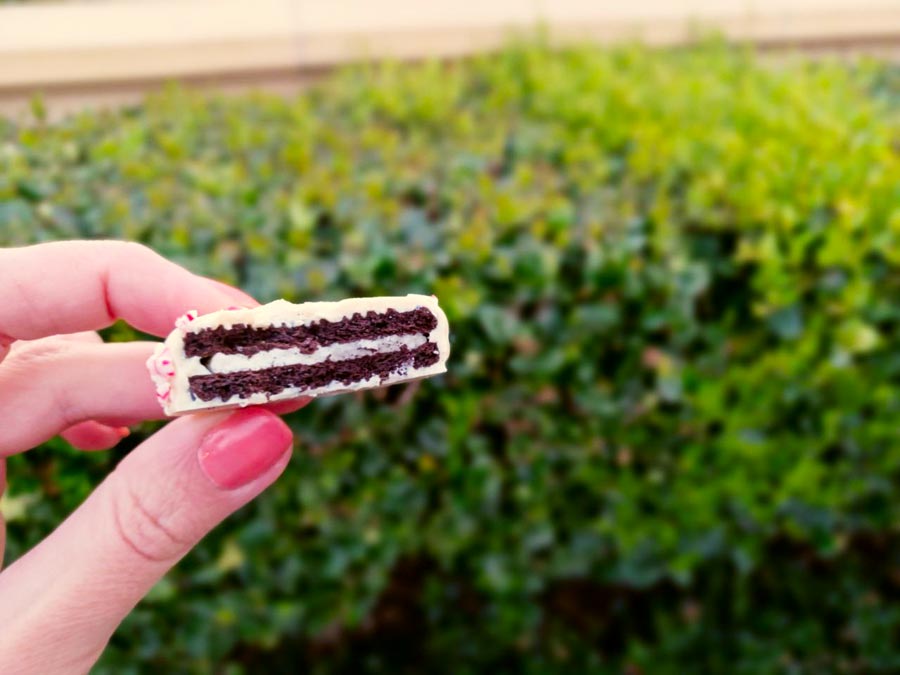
(668, 441)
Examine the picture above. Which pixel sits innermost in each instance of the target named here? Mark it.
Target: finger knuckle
(145, 526)
(28, 365)
(36, 352)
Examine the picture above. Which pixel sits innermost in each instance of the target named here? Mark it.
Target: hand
(61, 602)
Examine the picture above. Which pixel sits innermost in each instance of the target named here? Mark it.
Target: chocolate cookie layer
(243, 339)
(312, 376)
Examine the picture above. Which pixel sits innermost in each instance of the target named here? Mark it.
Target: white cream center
(232, 363)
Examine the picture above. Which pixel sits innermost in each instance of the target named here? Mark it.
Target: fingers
(47, 386)
(285, 407)
(92, 435)
(80, 388)
(70, 286)
(238, 297)
(63, 599)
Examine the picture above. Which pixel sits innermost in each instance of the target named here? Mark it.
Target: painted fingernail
(243, 447)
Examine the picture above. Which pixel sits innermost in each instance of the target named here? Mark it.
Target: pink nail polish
(243, 447)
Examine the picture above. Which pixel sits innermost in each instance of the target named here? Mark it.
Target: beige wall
(107, 50)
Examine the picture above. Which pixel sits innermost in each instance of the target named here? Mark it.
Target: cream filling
(233, 363)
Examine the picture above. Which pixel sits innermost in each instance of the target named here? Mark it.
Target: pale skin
(61, 601)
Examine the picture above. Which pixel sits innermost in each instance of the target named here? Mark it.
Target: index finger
(71, 286)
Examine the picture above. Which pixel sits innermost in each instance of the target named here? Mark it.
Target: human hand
(61, 602)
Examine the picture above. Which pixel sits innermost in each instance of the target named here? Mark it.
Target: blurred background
(667, 237)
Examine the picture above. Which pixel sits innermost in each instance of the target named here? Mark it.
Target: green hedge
(668, 441)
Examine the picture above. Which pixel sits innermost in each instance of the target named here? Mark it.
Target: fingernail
(243, 448)
(236, 295)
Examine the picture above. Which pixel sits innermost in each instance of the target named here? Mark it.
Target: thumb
(61, 602)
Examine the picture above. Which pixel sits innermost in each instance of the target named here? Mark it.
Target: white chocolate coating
(171, 369)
